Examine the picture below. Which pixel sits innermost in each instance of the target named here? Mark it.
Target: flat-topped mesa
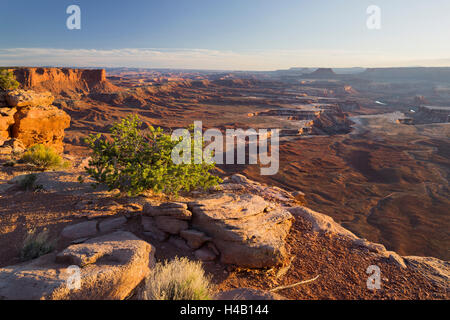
(57, 80)
(323, 72)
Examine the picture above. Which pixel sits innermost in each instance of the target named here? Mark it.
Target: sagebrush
(44, 158)
(179, 279)
(36, 245)
(135, 160)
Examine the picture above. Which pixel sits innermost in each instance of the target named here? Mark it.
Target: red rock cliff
(57, 80)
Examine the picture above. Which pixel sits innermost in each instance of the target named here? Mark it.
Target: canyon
(362, 173)
(347, 150)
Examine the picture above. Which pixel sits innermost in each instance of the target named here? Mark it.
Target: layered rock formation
(63, 80)
(247, 231)
(432, 114)
(31, 118)
(244, 230)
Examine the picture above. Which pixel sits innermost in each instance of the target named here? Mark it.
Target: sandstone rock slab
(205, 254)
(246, 230)
(195, 239)
(170, 225)
(151, 230)
(24, 98)
(116, 264)
(112, 224)
(179, 243)
(80, 230)
(170, 209)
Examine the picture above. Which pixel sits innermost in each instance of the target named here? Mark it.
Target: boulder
(205, 254)
(112, 224)
(170, 225)
(151, 230)
(246, 230)
(80, 230)
(179, 243)
(195, 239)
(41, 125)
(175, 210)
(111, 267)
(30, 98)
(6, 121)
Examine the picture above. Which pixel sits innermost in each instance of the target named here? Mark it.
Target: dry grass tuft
(36, 245)
(179, 279)
(44, 158)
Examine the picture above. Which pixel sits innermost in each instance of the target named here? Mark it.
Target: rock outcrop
(238, 228)
(322, 223)
(245, 229)
(435, 270)
(6, 121)
(31, 118)
(64, 80)
(110, 268)
(41, 125)
(22, 98)
(432, 114)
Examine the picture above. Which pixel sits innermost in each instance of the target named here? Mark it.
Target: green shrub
(179, 279)
(44, 158)
(7, 80)
(135, 161)
(28, 183)
(36, 245)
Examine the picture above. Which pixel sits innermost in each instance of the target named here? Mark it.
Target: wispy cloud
(203, 58)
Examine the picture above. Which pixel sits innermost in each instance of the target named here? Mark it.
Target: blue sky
(232, 34)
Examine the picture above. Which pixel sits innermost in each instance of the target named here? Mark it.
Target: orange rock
(64, 80)
(24, 98)
(41, 125)
(6, 120)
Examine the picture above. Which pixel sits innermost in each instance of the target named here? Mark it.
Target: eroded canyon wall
(59, 80)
